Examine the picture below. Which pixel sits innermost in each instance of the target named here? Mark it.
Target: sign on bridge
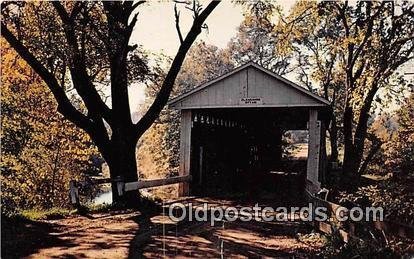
(251, 100)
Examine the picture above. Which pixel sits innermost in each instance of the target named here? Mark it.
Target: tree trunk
(123, 166)
(350, 165)
(354, 143)
(374, 149)
(352, 161)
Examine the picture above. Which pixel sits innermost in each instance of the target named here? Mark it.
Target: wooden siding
(248, 82)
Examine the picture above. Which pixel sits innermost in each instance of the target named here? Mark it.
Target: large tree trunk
(123, 166)
(355, 143)
(350, 165)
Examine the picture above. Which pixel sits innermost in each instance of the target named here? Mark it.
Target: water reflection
(103, 198)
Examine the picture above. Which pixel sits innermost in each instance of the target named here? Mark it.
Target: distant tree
(400, 156)
(41, 151)
(260, 38)
(82, 46)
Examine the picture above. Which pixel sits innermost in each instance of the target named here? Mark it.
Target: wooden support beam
(185, 150)
(74, 193)
(200, 166)
(322, 155)
(314, 143)
(156, 182)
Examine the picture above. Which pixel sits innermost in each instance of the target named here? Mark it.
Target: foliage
(393, 137)
(391, 143)
(360, 248)
(350, 54)
(395, 197)
(373, 38)
(395, 159)
(158, 152)
(41, 151)
(401, 148)
(261, 38)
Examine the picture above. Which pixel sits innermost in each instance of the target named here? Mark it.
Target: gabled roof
(240, 84)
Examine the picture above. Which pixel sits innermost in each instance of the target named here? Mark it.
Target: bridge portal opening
(246, 152)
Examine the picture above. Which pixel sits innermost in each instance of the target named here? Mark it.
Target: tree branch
(129, 6)
(368, 33)
(81, 79)
(76, 9)
(65, 107)
(177, 23)
(163, 95)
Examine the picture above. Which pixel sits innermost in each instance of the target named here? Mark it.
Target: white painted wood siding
(248, 82)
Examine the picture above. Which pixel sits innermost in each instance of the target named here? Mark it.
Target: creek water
(103, 197)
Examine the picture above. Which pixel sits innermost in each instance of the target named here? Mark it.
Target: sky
(156, 32)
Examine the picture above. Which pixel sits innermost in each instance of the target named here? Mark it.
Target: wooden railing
(123, 187)
(349, 229)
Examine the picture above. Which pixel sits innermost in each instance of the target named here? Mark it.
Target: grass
(146, 204)
(58, 213)
(42, 214)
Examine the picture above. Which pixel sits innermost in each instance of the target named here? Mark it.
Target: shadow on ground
(236, 239)
(100, 235)
(130, 234)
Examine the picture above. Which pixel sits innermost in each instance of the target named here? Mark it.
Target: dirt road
(131, 235)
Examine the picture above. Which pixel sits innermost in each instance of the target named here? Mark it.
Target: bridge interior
(241, 152)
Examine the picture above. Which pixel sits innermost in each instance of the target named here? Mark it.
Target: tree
(290, 43)
(351, 52)
(90, 40)
(375, 39)
(317, 60)
(41, 151)
(400, 153)
(260, 38)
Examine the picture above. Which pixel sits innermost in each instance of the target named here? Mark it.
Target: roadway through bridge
(236, 239)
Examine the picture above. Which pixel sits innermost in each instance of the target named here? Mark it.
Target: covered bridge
(232, 126)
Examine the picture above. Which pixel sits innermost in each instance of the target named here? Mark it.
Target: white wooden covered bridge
(231, 129)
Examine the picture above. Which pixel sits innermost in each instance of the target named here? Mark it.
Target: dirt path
(99, 235)
(233, 240)
(130, 235)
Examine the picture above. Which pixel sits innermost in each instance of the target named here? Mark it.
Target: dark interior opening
(240, 152)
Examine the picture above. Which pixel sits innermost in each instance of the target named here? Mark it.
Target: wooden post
(200, 165)
(312, 171)
(322, 155)
(74, 193)
(120, 185)
(185, 150)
